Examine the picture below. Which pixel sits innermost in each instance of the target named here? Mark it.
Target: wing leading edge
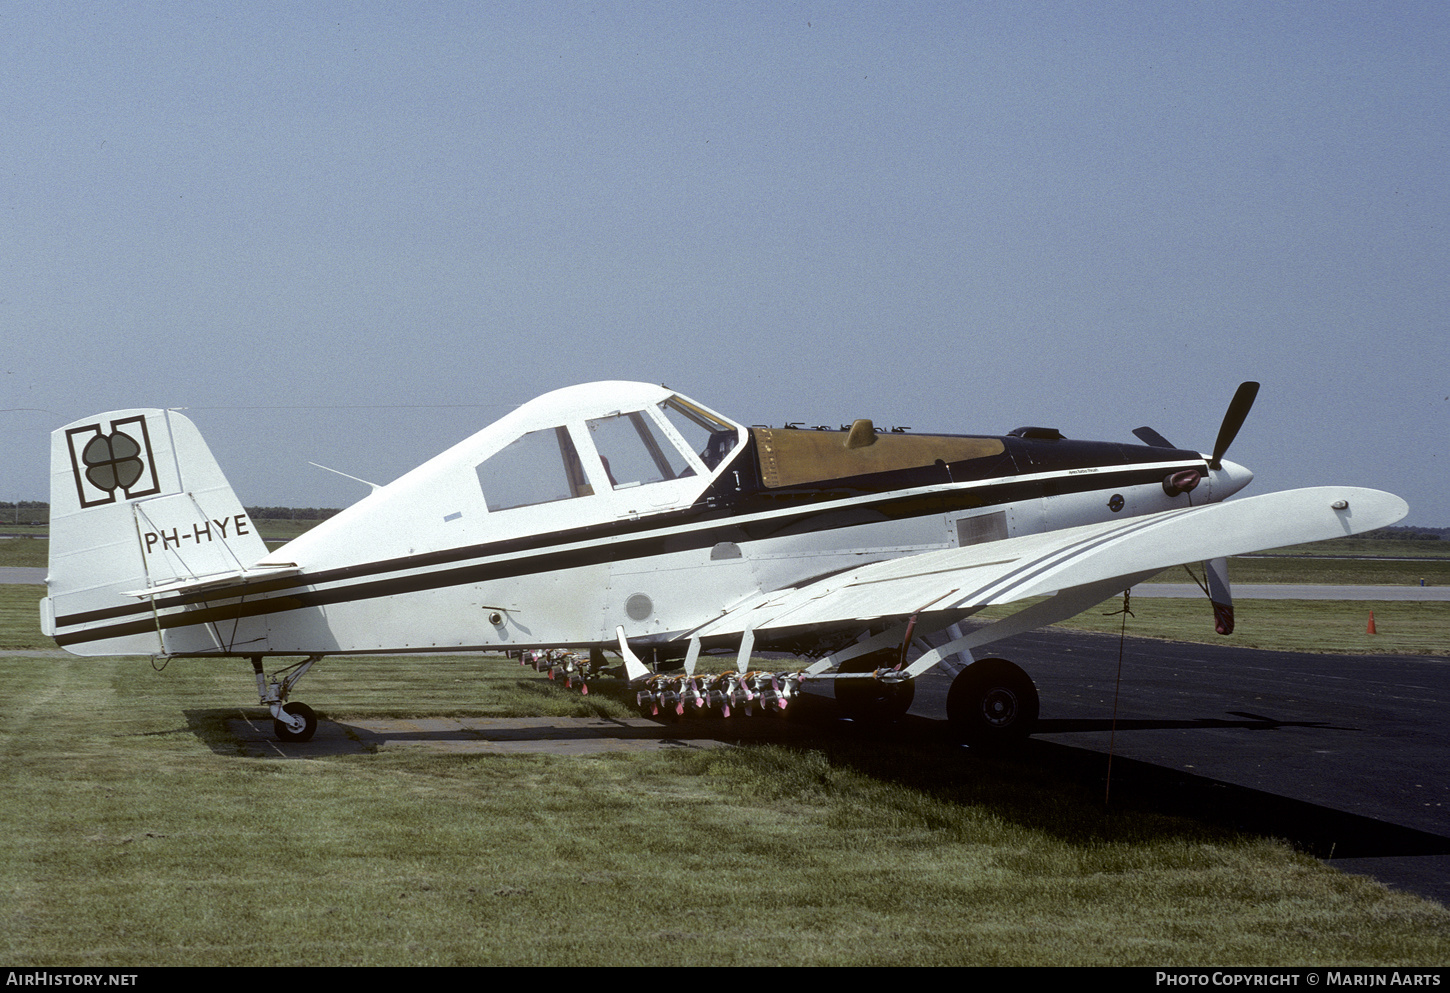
(961, 580)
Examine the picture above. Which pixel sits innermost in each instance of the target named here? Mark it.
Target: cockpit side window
(709, 437)
(635, 452)
(539, 467)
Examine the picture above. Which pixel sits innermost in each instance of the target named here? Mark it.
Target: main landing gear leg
(877, 701)
(290, 721)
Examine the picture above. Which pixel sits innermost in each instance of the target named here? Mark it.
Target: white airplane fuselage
(428, 563)
(626, 517)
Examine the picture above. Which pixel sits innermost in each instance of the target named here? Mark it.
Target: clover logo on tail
(104, 464)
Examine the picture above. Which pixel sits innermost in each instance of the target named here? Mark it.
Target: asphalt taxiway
(1344, 755)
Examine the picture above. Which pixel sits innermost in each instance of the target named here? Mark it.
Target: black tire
(285, 733)
(992, 703)
(872, 700)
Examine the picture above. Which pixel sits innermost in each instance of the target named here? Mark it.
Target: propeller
(1233, 419)
(1218, 589)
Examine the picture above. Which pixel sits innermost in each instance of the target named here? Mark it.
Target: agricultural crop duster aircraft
(624, 516)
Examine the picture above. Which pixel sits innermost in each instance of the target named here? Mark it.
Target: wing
(1083, 561)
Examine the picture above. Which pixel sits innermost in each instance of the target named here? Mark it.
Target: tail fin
(136, 501)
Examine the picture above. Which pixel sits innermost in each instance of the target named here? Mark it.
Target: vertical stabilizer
(136, 501)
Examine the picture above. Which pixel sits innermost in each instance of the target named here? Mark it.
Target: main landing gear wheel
(285, 733)
(872, 699)
(992, 703)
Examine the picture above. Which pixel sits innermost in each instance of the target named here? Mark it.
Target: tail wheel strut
(290, 721)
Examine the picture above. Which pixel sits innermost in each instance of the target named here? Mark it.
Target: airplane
(626, 517)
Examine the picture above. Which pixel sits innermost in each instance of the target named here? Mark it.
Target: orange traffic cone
(1370, 629)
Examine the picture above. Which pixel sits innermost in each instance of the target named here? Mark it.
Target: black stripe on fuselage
(751, 517)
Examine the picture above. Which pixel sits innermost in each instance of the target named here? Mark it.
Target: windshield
(707, 436)
(634, 451)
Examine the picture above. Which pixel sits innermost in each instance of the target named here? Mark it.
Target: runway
(22, 574)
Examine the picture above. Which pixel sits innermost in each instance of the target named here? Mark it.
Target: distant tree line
(25, 512)
(38, 512)
(1408, 534)
(290, 513)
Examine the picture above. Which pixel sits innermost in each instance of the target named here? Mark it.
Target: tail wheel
(872, 699)
(285, 733)
(992, 702)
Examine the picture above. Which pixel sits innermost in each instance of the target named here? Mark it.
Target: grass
(134, 831)
(24, 552)
(134, 834)
(1329, 571)
(1404, 627)
(30, 546)
(277, 532)
(1375, 547)
(20, 617)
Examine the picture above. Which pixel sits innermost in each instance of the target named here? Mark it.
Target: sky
(356, 233)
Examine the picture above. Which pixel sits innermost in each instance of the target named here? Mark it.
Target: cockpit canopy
(605, 446)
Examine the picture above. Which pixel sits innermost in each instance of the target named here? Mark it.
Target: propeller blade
(1233, 419)
(1148, 436)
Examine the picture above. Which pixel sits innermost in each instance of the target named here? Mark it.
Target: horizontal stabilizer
(204, 583)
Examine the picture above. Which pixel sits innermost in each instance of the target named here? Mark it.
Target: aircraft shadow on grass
(875, 750)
